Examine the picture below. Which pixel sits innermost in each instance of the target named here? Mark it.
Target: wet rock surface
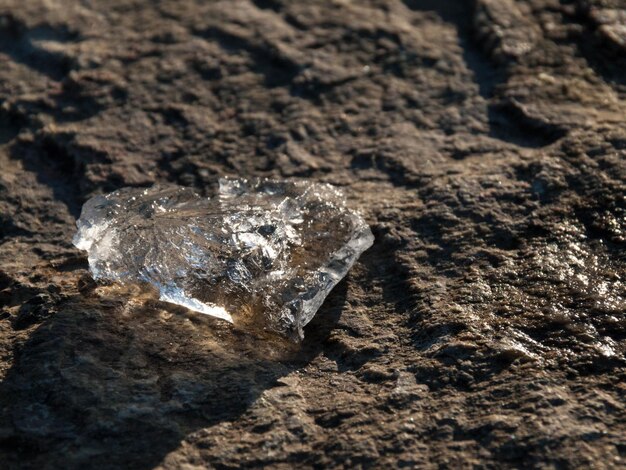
(483, 141)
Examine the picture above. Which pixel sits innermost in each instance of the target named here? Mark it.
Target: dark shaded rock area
(483, 140)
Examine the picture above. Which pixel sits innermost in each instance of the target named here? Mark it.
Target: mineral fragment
(261, 253)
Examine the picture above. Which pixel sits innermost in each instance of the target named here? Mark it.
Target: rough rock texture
(485, 142)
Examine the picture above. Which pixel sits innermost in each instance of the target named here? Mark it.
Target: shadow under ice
(110, 382)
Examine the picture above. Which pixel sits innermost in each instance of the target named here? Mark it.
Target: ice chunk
(261, 253)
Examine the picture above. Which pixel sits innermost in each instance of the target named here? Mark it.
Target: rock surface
(483, 140)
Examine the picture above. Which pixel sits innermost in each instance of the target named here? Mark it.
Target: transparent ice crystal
(261, 253)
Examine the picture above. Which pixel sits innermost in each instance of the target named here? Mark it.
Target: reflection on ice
(260, 252)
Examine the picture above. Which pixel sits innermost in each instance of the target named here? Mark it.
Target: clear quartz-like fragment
(261, 253)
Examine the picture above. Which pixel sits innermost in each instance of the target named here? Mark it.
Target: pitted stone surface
(484, 142)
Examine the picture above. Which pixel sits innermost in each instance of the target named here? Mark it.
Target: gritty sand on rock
(485, 143)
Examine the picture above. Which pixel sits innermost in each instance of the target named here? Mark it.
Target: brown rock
(485, 143)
